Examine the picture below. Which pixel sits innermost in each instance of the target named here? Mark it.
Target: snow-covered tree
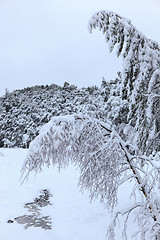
(140, 76)
(105, 162)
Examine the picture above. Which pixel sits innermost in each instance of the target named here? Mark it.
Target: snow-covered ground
(73, 216)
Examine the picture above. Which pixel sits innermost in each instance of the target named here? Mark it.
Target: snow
(73, 216)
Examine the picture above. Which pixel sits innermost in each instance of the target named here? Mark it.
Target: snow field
(73, 216)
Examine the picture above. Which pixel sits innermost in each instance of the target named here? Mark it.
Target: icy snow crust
(73, 216)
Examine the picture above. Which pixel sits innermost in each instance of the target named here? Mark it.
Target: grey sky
(47, 41)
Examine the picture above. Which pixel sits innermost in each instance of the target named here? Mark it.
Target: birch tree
(140, 75)
(105, 162)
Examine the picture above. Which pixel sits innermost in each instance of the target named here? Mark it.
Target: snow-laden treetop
(141, 55)
(141, 71)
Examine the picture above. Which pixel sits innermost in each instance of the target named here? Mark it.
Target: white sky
(47, 41)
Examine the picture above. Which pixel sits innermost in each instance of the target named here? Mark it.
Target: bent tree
(140, 75)
(106, 161)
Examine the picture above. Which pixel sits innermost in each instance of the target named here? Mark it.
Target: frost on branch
(90, 146)
(141, 65)
(105, 162)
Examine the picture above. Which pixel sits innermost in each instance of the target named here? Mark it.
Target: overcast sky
(47, 41)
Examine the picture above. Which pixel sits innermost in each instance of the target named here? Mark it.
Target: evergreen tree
(25, 111)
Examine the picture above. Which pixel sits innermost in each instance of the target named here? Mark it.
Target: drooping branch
(102, 156)
(86, 141)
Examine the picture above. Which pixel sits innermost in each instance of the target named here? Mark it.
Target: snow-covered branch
(102, 157)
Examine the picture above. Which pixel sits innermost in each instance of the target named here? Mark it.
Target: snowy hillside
(24, 112)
